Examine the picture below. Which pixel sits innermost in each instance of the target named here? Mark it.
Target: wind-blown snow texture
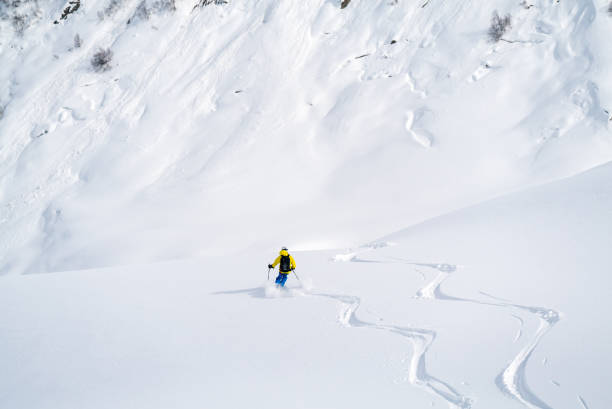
(219, 131)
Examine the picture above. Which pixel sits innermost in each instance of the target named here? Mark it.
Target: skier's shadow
(257, 292)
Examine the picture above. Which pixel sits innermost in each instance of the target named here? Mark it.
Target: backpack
(285, 264)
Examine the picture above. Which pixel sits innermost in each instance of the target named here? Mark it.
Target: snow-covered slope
(540, 256)
(154, 188)
(502, 305)
(242, 124)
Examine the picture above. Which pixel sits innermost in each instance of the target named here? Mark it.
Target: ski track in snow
(582, 402)
(421, 340)
(512, 380)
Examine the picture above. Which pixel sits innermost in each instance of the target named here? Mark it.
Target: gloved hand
(270, 266)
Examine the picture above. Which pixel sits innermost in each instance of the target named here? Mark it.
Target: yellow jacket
(278, 259)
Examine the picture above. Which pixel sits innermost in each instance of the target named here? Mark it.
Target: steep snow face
(221, 125)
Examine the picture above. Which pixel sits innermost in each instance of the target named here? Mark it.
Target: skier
(287, 265)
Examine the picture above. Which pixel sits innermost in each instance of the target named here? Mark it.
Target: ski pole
(269, 274)
(296, 276)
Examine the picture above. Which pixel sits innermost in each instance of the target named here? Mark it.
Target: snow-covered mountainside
(155, 155)
(475, 309)
(227, 125)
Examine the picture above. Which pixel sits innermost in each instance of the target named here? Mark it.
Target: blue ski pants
(281, 279)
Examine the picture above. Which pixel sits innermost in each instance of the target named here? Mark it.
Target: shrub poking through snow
(77, 41)
(163, 5)
(110, 9)
(610, 8)
(20, 23)
(101, 60)
(142, 13)
(204, 3)
(499, 26)
(146, 9)
(71, 7)
(21, 14)
(344, 3)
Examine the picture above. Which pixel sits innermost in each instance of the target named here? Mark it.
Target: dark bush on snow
(72, 7)
(77, 41)
(20, 23)
(344, 3)
(101, 60)
(610, 8)
(204, 3)
(21, 14)
(112, 7)
(146, 8)
(499, 26)
(142, 13)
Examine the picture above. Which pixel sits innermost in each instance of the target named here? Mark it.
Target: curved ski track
(421, 341)
(511, 380)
